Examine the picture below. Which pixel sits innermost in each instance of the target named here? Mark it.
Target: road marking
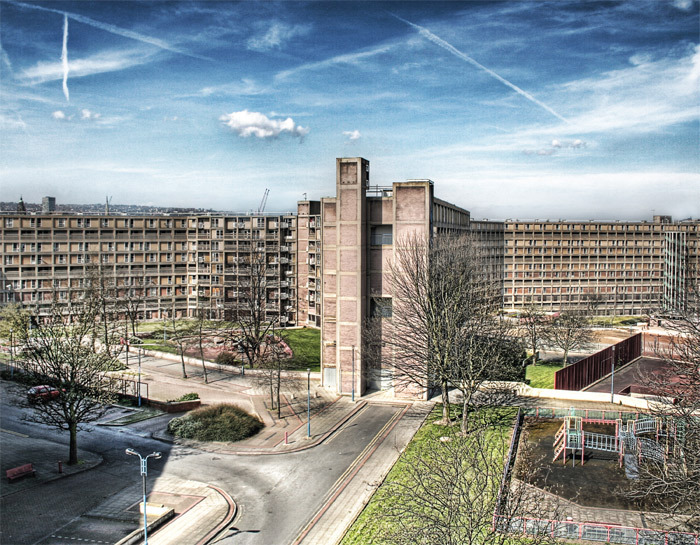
(79, 539)
(18, 434)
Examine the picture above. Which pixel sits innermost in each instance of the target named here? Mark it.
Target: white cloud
(245, 87)
(685, 5)
(87, 114)
(276, 35)
(353, 59)
(107, 61)
(245, 124)
(12, 123)
(352, 135)
(58, 114)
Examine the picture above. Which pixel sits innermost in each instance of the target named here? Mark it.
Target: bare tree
(61, 352)
(99, 285)
(445, 322)
(671, 483)
(569, 330)
(450, 487)
(251, 323)
(182, 333)
(533, 328)
(131, 301)
(272, 364)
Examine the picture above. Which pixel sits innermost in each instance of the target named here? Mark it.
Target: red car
(42, 393)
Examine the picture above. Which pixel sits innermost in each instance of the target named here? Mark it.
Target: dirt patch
(599, 482)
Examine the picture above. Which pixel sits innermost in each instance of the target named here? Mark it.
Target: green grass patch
(542, 374)
(373, 523)
(221, 422)
(306, 347)
(616, 320)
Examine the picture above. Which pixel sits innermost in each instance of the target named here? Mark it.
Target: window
(381, 307)
(9, 222)
(61, 222)
(381, 235)
(104, 223)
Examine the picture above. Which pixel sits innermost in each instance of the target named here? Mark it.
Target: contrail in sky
(114, 30)
(64, 57)
(457, 53)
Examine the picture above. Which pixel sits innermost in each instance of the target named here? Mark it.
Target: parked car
(42, 393)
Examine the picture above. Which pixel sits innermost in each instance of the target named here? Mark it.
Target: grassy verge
(306, 346)
(542, 374)
(373, 522)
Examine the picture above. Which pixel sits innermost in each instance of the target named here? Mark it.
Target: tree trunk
(201, 355)
(73, 449)
(445, 403)
(182, 357)
(279, 381)
(566, 355)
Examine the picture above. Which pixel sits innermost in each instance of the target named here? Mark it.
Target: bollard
(60, 466)
(286, 438)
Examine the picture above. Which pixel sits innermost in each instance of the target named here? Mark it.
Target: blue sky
(515, 109)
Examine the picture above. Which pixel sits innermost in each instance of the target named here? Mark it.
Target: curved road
(276, 494)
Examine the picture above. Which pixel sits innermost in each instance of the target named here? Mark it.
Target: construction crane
(108, 200)
(263, 202)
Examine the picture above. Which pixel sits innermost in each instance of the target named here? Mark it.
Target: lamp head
(131, 452)
(155, 455)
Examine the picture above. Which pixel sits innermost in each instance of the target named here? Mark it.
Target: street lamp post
(12, 351)
(612, 378)
(138, 384)
(353, 372)
(144, 472)
(308, 403)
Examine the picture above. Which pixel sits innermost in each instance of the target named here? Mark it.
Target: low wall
(575, 395)
(175, 406)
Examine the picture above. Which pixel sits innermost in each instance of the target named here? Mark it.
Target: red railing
(592, 531)
(585, 372)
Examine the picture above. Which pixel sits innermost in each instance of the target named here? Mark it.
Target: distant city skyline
(514, 109)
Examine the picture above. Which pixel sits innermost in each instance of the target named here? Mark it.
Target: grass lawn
(372, 522)
(306, 346)
(542, 374)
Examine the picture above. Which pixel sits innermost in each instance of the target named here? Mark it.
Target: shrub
(216, 423)
(188, 397)
(227, 358)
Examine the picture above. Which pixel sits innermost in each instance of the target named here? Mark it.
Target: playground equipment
(666, 437)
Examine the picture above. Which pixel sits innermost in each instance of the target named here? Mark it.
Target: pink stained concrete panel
(348, 286)
(348, 204)
(349, 260)
(348, 310)
(348, 335)
(329, 213)
(348, 235)
(329, 307)
(348, 172)
(329, 356)
(329, 283)
(406, 230)
(329, 333)
(329, 235)
(410, 203)
(329, 261)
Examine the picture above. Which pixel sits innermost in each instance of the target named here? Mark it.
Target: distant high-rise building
(48, 205)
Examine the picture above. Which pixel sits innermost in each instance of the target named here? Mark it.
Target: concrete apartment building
(360, 225)
(327, 265)
(613, 267)
(177, 264)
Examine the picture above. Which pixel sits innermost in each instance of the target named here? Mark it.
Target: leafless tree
(99, 284)
(444, 323)
(131, 301)
(672, 484)
(272, 364)
(569, 330)
(182, 333)
(61, 352)
(251, 323)
(533, 328)
(450, 487)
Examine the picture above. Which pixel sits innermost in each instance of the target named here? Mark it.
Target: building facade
(328, 265)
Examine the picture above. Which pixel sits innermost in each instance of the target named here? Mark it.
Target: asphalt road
(276, 494)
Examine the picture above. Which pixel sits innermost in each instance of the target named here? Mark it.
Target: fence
(586, 414)
(586, 371)
(510, 460)
(593, 531)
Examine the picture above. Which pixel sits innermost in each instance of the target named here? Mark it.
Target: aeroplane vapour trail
(113, 29)
(64, 58)
(457, 53)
